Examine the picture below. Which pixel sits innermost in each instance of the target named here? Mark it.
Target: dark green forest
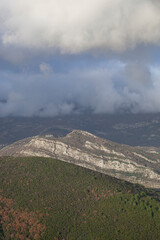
(42, 198)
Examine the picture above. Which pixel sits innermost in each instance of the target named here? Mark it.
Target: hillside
(43, 198)
(134, 164)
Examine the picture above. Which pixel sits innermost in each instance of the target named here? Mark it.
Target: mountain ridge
(133, 164)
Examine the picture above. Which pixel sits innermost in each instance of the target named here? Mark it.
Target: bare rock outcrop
(136, 165)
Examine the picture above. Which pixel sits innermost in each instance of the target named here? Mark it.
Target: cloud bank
(103, 89)
(64, 56)
(75, 26)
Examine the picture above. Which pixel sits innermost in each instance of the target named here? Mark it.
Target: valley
(129, 129)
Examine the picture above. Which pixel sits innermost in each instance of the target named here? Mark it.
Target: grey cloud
(137, 76)
(102, 89)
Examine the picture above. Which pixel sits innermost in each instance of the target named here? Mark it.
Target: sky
(66, 56)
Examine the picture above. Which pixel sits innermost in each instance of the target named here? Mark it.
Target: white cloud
(75, 26)
(45, 68)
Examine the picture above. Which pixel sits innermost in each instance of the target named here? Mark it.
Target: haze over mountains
(130, 129)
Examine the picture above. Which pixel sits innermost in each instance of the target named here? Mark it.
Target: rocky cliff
(137, 165)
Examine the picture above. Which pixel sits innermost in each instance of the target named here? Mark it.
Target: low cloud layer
(104, 89)
(75, 26)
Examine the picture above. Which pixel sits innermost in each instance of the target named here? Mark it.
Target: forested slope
(42, 198)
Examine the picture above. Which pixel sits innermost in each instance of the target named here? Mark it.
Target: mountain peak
(80, 132)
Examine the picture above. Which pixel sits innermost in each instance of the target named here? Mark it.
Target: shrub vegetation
(42, 198)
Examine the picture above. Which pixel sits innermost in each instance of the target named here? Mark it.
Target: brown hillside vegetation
(19, 224)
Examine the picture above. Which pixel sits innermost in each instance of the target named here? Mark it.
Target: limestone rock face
(134, 164)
